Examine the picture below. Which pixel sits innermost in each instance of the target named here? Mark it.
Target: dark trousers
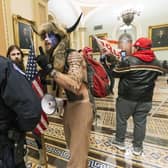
(7, 158)
(37, 140)
(139, 112)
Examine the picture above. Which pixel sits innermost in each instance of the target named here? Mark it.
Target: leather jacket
(137, 78)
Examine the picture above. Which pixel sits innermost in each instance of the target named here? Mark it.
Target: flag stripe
(105, 45)
(37, 88)
(32, 75)
(38, 130)
(44, 121)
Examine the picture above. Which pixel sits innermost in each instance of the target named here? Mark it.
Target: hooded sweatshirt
(144, 55)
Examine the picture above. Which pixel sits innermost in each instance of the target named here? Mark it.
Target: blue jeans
(138, 111)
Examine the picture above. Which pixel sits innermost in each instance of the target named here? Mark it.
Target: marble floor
(102, 154)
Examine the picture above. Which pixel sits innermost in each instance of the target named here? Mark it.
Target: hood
(145, 55)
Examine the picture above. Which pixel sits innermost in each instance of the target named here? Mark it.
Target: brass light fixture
(128, 15)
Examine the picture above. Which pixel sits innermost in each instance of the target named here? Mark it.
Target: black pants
(37, 140)
(7, 158)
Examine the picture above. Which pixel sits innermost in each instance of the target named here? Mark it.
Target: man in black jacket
(20, 111)
(137, 74)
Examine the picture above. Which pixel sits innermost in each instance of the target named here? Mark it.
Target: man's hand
(43, 61)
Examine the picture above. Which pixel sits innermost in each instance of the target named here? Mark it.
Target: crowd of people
(137, 74)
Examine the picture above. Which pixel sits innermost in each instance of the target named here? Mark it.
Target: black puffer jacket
(137, 78)
(20, 108)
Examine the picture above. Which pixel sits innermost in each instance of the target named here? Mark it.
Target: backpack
(98, 80)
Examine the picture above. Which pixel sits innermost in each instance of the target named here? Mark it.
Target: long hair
(10, 49)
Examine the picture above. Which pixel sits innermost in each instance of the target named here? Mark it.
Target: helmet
(143, 43)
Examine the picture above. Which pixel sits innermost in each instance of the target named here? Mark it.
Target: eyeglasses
(13, 54)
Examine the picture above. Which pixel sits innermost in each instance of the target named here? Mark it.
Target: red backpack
(98, 81)
(97, 78)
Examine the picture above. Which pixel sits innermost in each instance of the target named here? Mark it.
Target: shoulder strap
(90, 84)
(66, 66)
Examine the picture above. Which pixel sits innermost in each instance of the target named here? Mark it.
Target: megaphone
(51, 104)
(48, 104)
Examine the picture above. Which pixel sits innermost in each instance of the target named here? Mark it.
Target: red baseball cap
(143, 43)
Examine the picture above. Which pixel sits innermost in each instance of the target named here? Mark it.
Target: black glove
(43, 61)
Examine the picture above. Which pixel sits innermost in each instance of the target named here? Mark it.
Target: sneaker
(119, 145)
(137, 151)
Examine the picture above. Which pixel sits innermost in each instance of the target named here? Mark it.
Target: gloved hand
(43, 62)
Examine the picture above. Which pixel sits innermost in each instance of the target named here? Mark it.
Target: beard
(20, 64)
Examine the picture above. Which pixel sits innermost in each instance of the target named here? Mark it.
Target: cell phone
(123, 53)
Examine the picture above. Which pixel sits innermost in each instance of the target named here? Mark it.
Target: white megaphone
(48, 104)
(51, 104)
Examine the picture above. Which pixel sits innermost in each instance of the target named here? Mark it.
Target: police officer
(20, 111)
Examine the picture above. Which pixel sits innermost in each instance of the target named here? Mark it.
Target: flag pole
(43, 153)
(32, 75)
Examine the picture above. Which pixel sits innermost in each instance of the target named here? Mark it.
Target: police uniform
(20, 111)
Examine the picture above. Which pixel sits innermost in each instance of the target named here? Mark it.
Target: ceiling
(92, 3)
(68, 10)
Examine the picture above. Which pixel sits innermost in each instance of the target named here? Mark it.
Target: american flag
(32, 75)
(107, 46)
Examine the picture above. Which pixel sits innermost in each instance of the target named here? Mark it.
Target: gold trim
(5, 17)
(17, 19)
(102, 35)
(151, 34)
